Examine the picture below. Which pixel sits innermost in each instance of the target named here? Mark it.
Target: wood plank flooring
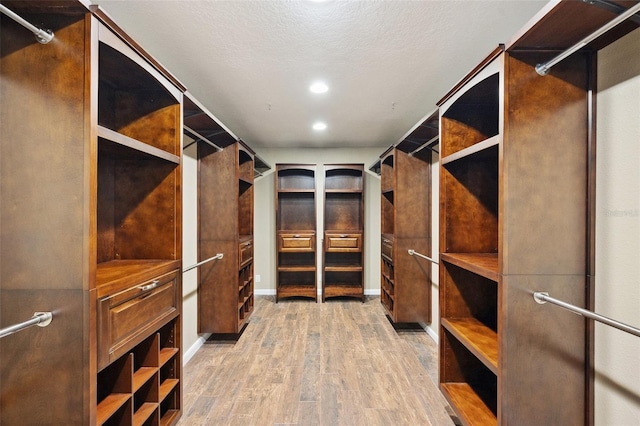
(305, 363)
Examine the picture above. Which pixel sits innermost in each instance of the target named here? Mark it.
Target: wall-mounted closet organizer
(516, 197)
(91, 223)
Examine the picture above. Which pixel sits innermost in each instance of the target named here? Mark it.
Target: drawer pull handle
(151, 286)
(343, 236)
(296, 236)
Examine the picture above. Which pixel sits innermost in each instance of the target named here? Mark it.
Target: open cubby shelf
(133, 388)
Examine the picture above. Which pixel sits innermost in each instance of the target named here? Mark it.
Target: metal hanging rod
(544, 68)
(426, 145)
(43, 36)
(199, 138)
(613, 7)
(41, 319)
(216, 257)
(542, 297)
(415, 253)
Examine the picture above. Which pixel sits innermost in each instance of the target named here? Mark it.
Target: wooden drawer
(128, 317)
(343, 242)
(296, 242)
(245, 252)
(386, 248)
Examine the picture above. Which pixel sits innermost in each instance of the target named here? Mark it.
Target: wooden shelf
(296, 191)
(477, 337)
(343, 191)
(345, 290)
(169, 417)
(468, 405)
(483, 264)
(304, 268)
(110, 405)
(136, 145)
(352, 268)
(476, 149)
(142, 376)
(117, 275)
(166, 354)
(143, 413)
(167, 387)
(301, 290)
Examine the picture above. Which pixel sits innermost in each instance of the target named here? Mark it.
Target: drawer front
(386, 248)
(245, 252)
(296, 242)
(343, 242)
(125, 318)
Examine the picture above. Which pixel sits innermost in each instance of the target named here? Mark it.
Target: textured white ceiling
(387, 62)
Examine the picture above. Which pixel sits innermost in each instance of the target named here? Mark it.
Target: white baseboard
(432, 334)
(194, 348)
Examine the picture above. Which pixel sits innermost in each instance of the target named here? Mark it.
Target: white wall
(433, 328)
(265, 221)
(191, 341)
(617, 270)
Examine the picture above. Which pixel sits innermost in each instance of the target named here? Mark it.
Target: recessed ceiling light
(318, 87)
(319, 126)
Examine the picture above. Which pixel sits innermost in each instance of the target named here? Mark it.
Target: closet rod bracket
(43, 36)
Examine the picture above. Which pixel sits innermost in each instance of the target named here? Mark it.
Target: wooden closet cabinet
(225, 221)
(517, 216)
(514, 181)
(405, 225)
(91, 223)
(296, 231)
(343, 243)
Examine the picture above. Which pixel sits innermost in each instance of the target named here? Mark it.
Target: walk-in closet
(319, 212)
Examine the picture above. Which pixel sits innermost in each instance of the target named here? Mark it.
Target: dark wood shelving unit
(405, 173)
(226, 170)
(516, 215)
(102, 215)
(343, 242)
(296, 264)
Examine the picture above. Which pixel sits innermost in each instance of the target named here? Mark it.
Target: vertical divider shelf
(296, 231)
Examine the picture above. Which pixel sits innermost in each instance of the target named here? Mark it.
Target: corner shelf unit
(405, 172)
(343, 242)
(514, 183)
(296, 231)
